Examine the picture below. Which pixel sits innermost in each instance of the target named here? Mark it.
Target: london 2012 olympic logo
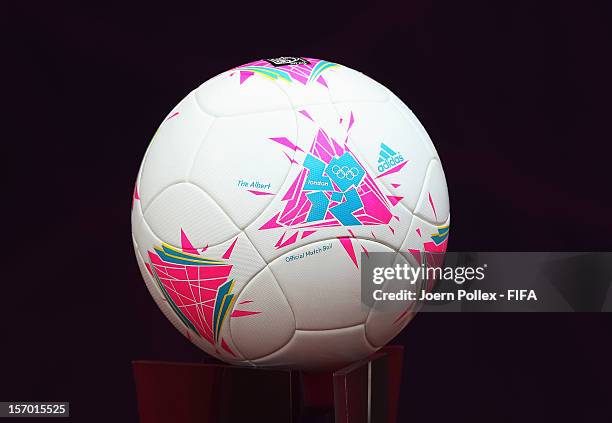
(344, 172)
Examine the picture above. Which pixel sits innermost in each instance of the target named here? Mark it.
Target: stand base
(365, 391)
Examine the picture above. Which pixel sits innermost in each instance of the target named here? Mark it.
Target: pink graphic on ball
(199, 290)
(288, 69)
(332, 189)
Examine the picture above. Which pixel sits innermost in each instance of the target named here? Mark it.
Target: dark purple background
(514, 96)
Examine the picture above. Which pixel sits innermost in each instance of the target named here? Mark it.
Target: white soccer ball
(256, 197)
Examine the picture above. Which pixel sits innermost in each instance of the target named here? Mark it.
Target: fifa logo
(388, 158)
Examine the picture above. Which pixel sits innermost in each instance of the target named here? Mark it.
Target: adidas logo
(387, 158)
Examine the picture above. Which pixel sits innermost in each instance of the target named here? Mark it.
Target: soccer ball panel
(241, 165)
(414, 121)
(348, 85)
(311, 275)
(172, 149)
(267, 323)
(382, 326)
(321, 349)
(433, 206)
(225, 95)
(186, 207)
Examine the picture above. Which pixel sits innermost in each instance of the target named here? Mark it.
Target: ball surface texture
(256, 198)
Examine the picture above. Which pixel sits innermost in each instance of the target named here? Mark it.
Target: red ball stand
(365, 391)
